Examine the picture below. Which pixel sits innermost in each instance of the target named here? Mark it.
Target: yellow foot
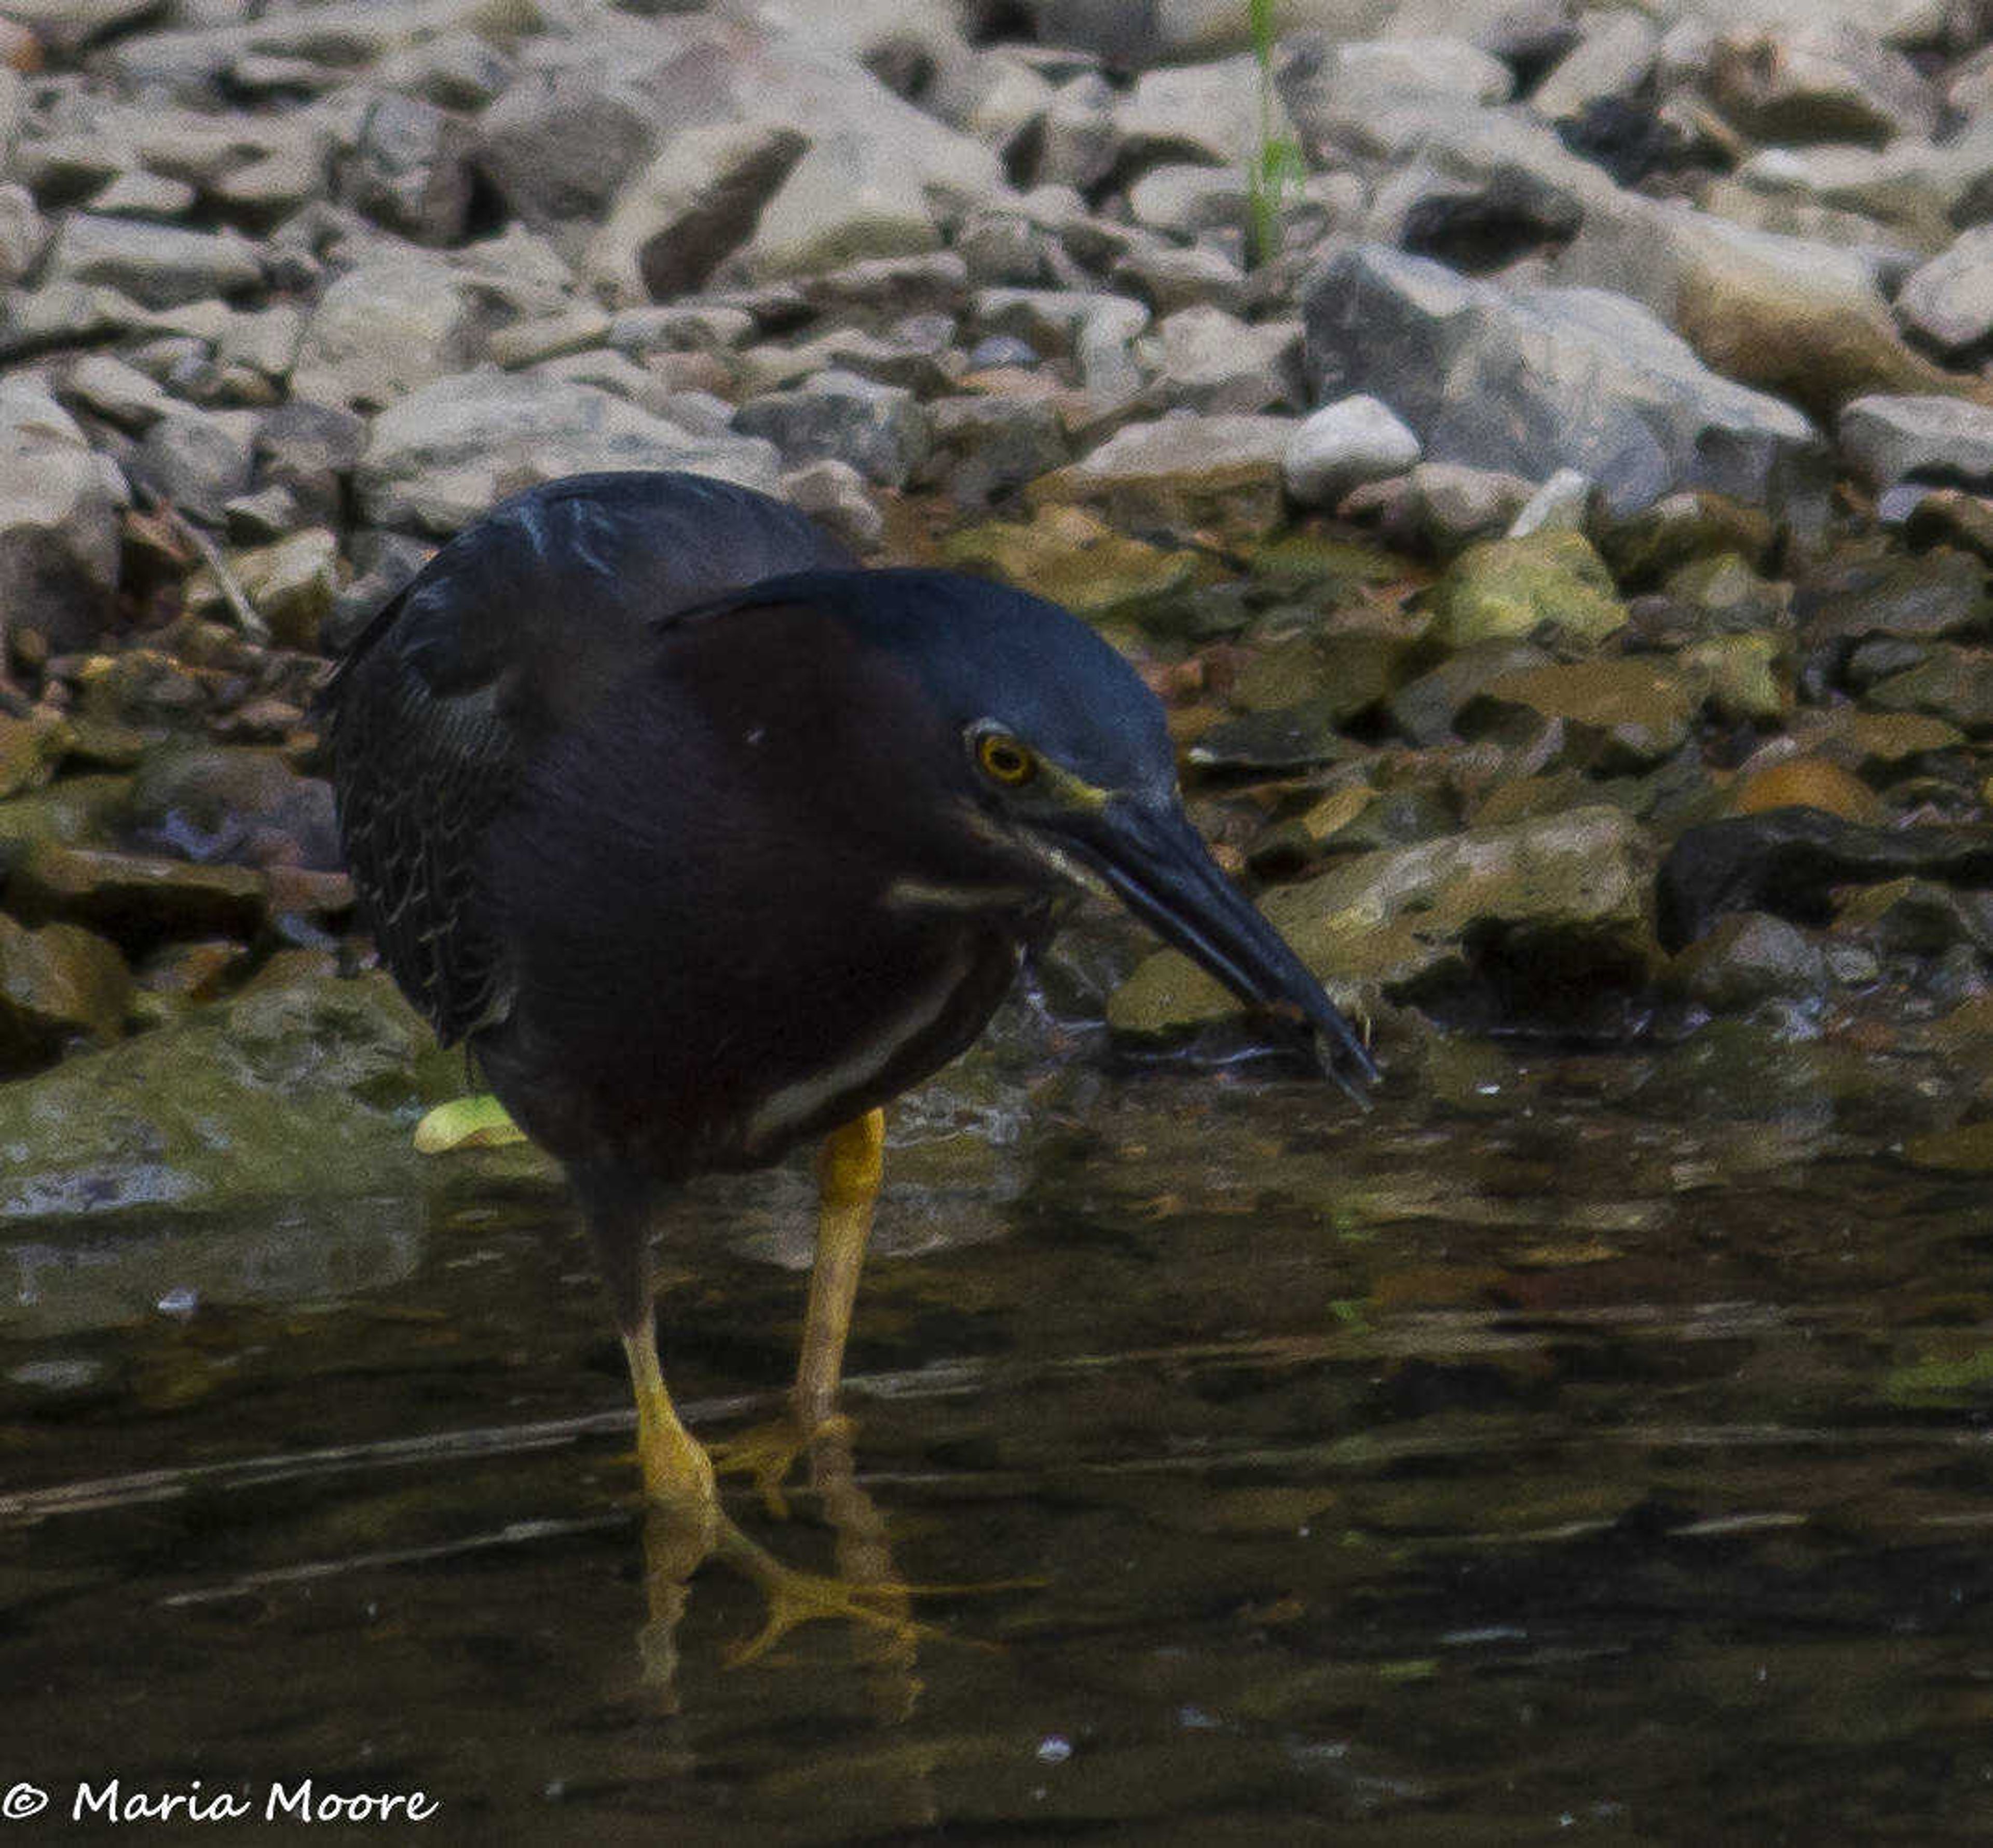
(797, 1597)
(767, 1453)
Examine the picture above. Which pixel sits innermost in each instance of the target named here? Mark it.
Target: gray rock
(59, 525)
(1560, 378)
(1169, 276)
(119, 394)
(1005, 249)
(310, 450)
(558, 143)
(1078, 141)
(1342, 446)
(1183, 471)
(1949, 300)
(1923, 189)
(24, 233)
(1326, 85)
(151, 196)
(1750, 957)
(1186, 201)
(851, 196)
(155, 265)
(409, 170)
(1889, 438)
(395, 323)
(1213, 361)
(438, 458)
(1822, 80)
(1613, 57)
(697, 202)
(550, 337)
(1206, 114)
(834, 492)
(682, 327)
(66, 26)
(986, 447)
(879, 430)
(1053, 320)
(456, 70)
(1441, 506)
(199, 460)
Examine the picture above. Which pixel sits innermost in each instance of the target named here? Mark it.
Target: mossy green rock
(1551, 582)
(1619, 715)
(1401, 919)
(139, 899)
(309, 1089)
(57, 986)
(1075, 559)
(1952, 684)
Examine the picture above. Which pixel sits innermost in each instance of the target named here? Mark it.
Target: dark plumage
(709, 841)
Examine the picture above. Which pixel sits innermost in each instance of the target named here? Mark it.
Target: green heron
(709, 842)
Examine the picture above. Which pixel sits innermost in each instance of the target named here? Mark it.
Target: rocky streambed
(1552, 496)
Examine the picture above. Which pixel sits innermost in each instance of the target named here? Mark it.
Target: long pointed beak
(1158, 865)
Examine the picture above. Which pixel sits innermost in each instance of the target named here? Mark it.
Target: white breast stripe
(797, 1102)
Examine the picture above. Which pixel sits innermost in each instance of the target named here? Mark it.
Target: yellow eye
(1004, 760)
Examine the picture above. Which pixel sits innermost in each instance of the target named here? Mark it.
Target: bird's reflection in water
(679, 1540)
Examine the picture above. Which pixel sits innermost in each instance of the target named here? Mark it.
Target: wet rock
(1789, 860)
(439, 457)
(220, 805)
(1928, 597)
(1511, 588)
(137, 900)
(1893, 438)
(141, 687)
(409, 170)
(1951, 683)
(1214, 362)
(59, 987)
(1750, 957)
(288, 1092)
(1744, 678)
(1543, 922)
(1424, 710)
(1073, 557)
(1919, 918)
(31, 749)
(58, 520)
(1342, 446)
(1680, 531)
(78, 810)
(384, 329)
(1724, 593)
(1573, 378)
(673, 224)
(880, 430)
(1181, 473)
(1619, 716)
(1949, 300)
(158, 266)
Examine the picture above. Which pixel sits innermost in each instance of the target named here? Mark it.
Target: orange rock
(1807, 782)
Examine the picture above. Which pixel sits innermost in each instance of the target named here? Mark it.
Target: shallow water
(1562, 1465)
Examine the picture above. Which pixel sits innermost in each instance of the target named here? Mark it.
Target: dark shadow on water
(1579, 1469)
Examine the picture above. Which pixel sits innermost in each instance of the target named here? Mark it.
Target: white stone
(1343, 445)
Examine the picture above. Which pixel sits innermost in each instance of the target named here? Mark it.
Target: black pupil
(1006, 760)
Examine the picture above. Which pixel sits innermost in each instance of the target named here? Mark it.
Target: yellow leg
(848, 1174)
